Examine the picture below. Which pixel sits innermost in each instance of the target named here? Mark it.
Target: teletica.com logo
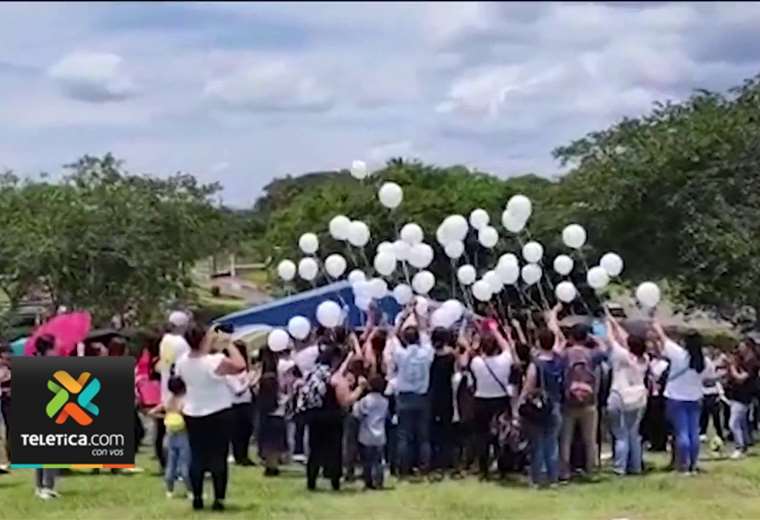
(85, 388)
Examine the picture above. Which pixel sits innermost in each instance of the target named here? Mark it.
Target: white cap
(179, 319)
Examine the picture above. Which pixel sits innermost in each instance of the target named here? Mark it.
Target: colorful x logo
(67, 386)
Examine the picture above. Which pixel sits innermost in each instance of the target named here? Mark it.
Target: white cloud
(270, 85)
(93, 77)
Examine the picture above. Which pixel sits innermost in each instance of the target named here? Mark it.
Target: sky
(242, 93)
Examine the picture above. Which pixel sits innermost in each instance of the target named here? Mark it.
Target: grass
(727, 490)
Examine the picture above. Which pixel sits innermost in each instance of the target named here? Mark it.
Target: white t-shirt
(306, 359)
(240, 387)
(684, 383)
(171, 348)
(627, 369)
(486, 385)
(207, 392)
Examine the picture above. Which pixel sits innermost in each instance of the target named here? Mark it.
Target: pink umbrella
(68, 330)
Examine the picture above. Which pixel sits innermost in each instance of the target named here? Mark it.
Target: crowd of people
(489, 396)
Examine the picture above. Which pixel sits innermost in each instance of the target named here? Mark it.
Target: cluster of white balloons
(450, 312)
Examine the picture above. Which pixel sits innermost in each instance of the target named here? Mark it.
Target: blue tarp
(278, 312)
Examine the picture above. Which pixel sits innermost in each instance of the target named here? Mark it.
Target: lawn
(727, 490)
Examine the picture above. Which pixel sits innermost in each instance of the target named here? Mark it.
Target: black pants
(463, 447)
(654, 426)
(711, 409)
(300, 421)
(441, 439)
(325, 448)
(485, 410)
(242, 430)
(158, 441)
(209, 444)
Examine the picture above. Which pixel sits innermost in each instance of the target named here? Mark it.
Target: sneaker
(197, 504)
(4, 469)
(42, 494)
(170, 494)
(737, 454)
(300, 458)
(230, 459)
(703, 438)
(218, 505)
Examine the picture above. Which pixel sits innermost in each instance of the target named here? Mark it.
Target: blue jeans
(739, 424)
(544, 448)
(684, 419)
(413, 412)
(624, 426)
(372, 462)
(178, 460)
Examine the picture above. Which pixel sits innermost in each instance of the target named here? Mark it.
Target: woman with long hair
(242, 410)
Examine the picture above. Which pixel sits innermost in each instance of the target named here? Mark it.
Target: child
(178, 444)
(371, 411)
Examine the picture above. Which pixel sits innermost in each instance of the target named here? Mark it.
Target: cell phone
(227, 328)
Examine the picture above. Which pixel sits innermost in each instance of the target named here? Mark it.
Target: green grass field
(727, 490)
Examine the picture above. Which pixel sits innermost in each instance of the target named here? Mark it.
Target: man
(412, 363)
(172, 347)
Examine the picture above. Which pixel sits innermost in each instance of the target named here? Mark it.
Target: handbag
(537, 409)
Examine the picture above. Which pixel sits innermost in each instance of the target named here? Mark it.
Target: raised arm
(520, 333)
(552, 323)
(233, 363)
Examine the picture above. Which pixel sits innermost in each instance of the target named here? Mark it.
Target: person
(371, 411)
(655, 423)
(628, 396)
(117, 347)
(45, 477)
(242, 411)
(305, 359)
(683, 392)
(325, 422)
(441, 401)
(275, 386)
(711, 404)
(5, 380)
(739, 392)
(412, 358)
(178, 444)
(490, 365)
(462, 418)
(172, 347)
(206, 409)
(544, 379)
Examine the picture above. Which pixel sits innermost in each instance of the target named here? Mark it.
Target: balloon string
(453, 279)
(366, 261)
(351, 255)
(543, 297)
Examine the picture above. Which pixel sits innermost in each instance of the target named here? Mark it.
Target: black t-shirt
(741, 392)
(441, 391)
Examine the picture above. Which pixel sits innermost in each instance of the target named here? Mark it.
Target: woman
(44, 477)
(206, 410)
(242, 410)
(544, 380)
(275, 387)
(683, 392)
(490, 367)
(326, 422)
(739, 392)
(627, 400)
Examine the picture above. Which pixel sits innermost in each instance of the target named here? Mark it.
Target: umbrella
(68, 330)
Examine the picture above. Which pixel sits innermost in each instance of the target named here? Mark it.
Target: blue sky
(242, 93)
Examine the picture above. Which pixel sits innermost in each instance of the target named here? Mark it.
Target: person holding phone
(207, 409)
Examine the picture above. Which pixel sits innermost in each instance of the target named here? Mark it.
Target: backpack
(311, 394)
(580, 378)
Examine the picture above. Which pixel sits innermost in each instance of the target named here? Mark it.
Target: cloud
(270, 85)
(93, 77)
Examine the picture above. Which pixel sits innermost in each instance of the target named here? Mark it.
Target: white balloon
(299, 327)
(278, 340)
(378, 288)
(401, 250)
(494, 281)
(356, 276)
(511, 222)
(479, 218)
(454, 309)
(363, 302)
(423, 282)
(339, 227)
(308, 269)
(612, 263)
(335, 265)
(508, 272)
(390, 195)
(520, 206)
(309, 243)
(412, 234)
(597, 277)
(531, 273)
(488, 236)
(565, 292)
(358, 169)
(482, 290)
(508, 258)
(328, 314)
(440, 318)
(454, 249)
(563, 264)
(574, 236)
(440, 236)
(385, 247)
(648, 294)
(421, 255)
(385, 263)
(286, 270)
(363, 289)
(466, 275)
(358, 234)
(533, 252)
(403, 294)
(455, 227)
(421, 305)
